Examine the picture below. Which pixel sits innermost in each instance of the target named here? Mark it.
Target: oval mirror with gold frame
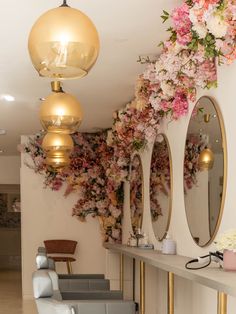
(205, 171)
(136, 193)
(161, 186)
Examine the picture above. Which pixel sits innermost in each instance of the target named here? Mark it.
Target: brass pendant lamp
(206, 159)
(57, 160)
(63, 43)
(60, 112)
(58, 148)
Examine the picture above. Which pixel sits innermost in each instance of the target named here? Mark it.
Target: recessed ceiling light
(42, 98)
(7, 97)
(217, 141)
(3, 132)
(1, 151)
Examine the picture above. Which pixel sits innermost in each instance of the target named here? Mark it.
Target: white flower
(167, 89)
(140, 104)
(217, 26)
(192, 15)
(201, 30)
(227, 241)
(110, 138)
(155, 101)
(159, 138)
(120, 113)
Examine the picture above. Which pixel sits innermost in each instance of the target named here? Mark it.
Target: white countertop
(212, 276)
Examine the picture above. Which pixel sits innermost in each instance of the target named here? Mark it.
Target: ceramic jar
(229, 261)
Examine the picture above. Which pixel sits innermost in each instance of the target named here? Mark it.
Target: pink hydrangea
(182, 24)
(179, 105)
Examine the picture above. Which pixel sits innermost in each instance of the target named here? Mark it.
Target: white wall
(189, 298)
(9, 169)
(47, 215)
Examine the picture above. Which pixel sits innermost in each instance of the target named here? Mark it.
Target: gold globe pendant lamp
(60, 112)
(63, 43)
(57, 159)
(206, 159)
(57, 142)
(57, 148)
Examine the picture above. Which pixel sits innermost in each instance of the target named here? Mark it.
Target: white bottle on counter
(168, 245)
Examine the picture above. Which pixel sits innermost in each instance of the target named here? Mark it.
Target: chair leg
(69, 267)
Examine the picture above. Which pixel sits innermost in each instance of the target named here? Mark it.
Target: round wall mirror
(161, 187)
(136, 193)
(205, 171)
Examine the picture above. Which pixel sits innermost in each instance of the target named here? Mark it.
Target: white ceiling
(127, 29)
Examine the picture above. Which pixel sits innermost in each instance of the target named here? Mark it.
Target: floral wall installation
(202, 36)
(98, 193)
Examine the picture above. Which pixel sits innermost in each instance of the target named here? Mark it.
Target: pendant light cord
(64, 4)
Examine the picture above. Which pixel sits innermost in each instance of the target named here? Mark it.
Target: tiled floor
(10, 295)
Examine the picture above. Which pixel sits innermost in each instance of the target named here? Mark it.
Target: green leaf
(166, 13)
(189, 2)
(164, 18)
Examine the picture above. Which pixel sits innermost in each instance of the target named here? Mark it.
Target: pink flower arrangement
(182, 24)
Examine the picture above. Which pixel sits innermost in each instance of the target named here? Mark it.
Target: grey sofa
(50, 301)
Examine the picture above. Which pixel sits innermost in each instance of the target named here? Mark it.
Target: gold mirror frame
(171, 185)
(225, 169)
(141, 166)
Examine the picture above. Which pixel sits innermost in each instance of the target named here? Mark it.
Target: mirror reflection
(204, 175)
(136, 193)
(160, 187)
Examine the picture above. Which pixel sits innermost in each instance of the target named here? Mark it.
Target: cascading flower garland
(202, 35)
(98, 194)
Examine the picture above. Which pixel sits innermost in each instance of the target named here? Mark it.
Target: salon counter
(212, 276)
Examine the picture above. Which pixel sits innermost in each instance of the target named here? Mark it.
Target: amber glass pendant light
(57, 160)
(57, 148)
(206, 159)
(60, 112)
(63, 43)
(57, 142)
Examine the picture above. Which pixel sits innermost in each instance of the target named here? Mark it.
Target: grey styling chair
(71, 283)
(47, 303)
